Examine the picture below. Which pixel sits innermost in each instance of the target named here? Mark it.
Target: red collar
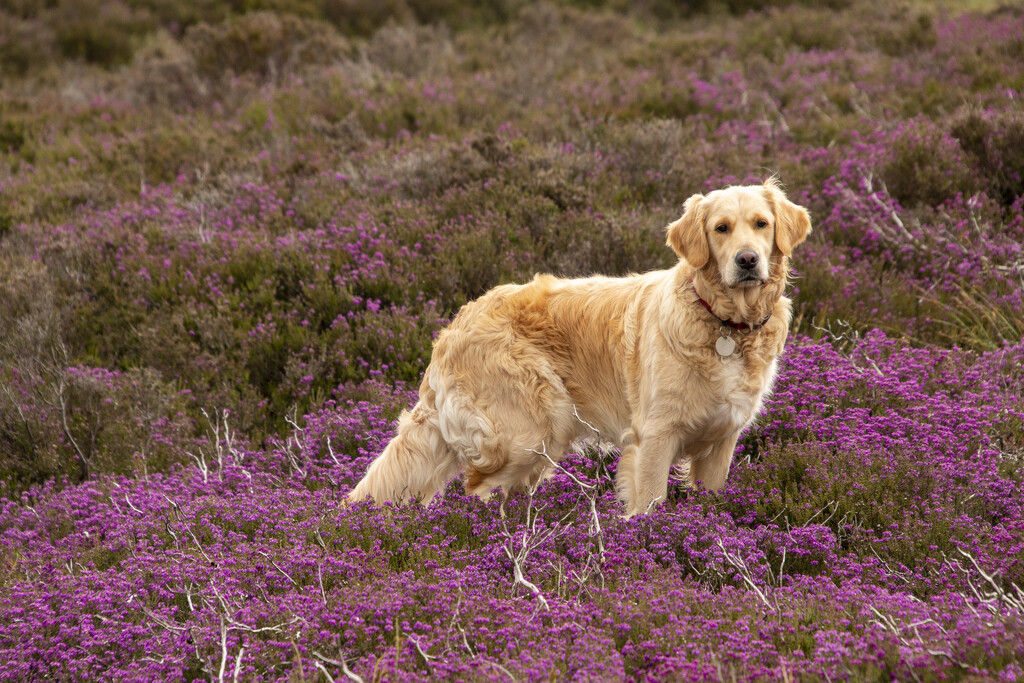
(740, 327)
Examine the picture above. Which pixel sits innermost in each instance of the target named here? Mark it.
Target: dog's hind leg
(415, 465)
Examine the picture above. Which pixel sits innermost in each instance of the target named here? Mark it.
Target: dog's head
(737, 230)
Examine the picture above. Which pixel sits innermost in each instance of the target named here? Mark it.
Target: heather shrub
(178, 15)
(462, 16)
(13, 135)
(226, 246)
(25, 45)
(103, 32)
(431, 171)
(804, 28)
(649, 156)
(163, 75)
(994, 144)
(804, 580)
(122, 423)
(75, 422)
(923, 165)
(262, 43)
(661, 10)
(907, 34)
(411, 50)
(29, 439)
(364, 17)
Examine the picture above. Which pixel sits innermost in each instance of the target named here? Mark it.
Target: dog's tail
(415, 465)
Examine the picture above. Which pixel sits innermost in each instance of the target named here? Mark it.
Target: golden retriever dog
(670, 365)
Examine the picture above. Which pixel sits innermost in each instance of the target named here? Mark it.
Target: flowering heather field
(228, 240)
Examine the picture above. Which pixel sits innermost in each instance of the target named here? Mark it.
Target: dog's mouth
(748, 280)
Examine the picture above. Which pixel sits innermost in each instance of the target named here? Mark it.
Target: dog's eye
(721, 227)
(762, 223)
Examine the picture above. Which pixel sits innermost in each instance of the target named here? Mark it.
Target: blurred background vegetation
(267, 205)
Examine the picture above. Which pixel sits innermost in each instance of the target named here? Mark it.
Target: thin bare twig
(744, 572)
(278, 568)
(527, 545)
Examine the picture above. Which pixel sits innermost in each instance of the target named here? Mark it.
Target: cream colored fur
(635, 356)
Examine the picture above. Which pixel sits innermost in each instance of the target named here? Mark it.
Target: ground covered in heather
(228, 239)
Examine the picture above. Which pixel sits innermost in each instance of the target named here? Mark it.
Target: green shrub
(178, 15)
(13, 135)
(363, 17)
(163, 75)
(24, 45)
(803, 28)
(76, 422)
(411, 50)
(996, 145)
(103, 32)
(925, 166)
(903, 35)
(262, 43)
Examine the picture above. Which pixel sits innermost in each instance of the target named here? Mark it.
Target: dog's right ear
(686, 236)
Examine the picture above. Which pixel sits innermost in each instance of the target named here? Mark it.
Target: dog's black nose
(747, 260)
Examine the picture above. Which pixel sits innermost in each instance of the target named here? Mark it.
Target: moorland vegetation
(230, 231)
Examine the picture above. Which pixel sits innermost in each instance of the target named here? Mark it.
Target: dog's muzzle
(747, 269)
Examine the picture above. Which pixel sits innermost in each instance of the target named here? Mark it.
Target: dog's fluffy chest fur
(737, 391)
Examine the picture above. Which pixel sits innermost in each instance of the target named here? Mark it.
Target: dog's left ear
(686, 236)
(792, 222)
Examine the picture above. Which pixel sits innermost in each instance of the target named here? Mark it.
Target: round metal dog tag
(725, 346)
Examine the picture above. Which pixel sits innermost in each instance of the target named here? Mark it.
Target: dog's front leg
(713, 468)
(642, 479)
